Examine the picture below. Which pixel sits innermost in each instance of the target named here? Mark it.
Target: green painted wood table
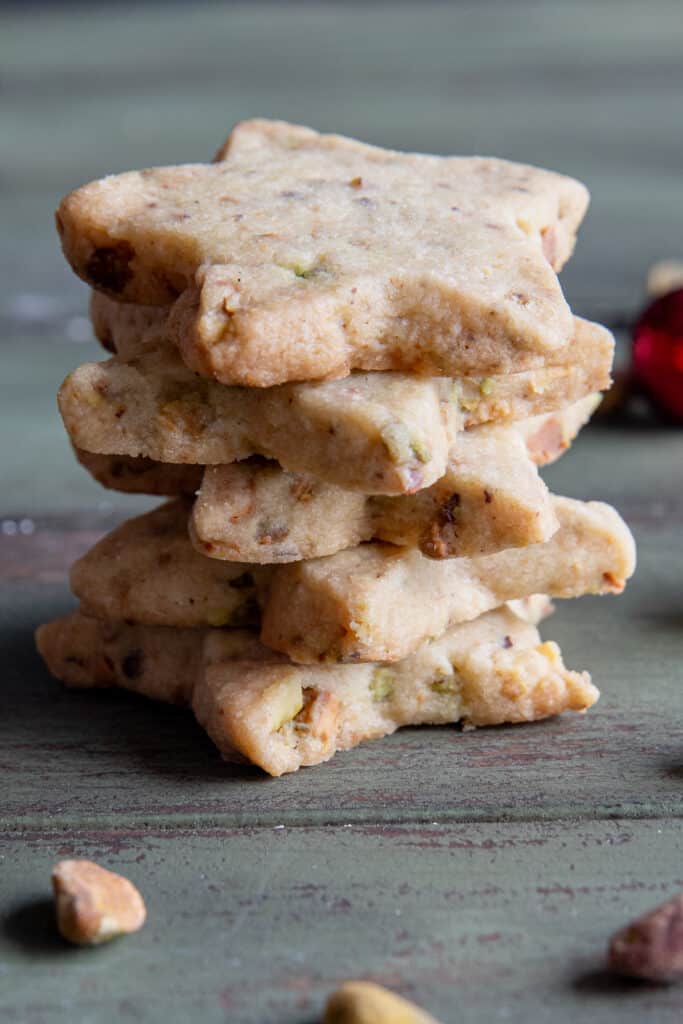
(480, 873)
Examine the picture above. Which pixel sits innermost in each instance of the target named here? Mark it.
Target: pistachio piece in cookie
(256, 705)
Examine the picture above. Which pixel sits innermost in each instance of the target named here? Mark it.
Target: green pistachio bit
(469, 404)
(487, 385)
(382, 684)
(287, 702)
(219, 616)
(306, 273)
(444, 684)
(421, 451)
(397, 442)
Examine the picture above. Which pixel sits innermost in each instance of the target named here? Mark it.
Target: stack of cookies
(344, 366)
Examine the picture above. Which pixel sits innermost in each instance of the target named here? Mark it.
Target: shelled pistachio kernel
(94, 905)
(92, 396)
(397, 441)
(285, 699)
(444, 684)
(421, 451)
(218, 616)
(382, 684)
(468, 404)
(363, 1002)
(549, 649)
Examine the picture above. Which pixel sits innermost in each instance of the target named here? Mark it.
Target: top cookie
(300, 256)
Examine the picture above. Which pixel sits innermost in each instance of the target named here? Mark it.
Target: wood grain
(147, 762)
(477, 922)
(479, 873)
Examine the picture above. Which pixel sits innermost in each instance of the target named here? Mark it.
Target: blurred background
(592, 88)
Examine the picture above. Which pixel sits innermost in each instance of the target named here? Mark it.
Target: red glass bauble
(658, 352)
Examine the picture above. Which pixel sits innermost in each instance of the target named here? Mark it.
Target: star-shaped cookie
(256, 705)
(379, 433)
(374, 602)
(300, 256)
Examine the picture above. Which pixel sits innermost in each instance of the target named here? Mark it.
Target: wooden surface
(480, 873)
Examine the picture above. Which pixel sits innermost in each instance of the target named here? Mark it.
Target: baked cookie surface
(257, 706)
(375, 602)
(298, 256)
(148, 567)
(378, 603)
(490, 497)
(547, 437)
(380, 433)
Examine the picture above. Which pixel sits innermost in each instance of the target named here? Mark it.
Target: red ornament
(658, 352)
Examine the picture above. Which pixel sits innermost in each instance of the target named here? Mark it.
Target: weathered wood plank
(111, 759)
(477, 922)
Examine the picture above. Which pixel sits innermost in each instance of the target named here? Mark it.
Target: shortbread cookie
(127, 330)
(380, 433)
(161, 663)
(547, 437)
(141, 476)
(375, 603)
(149, 567)
(130, 331)
(303, 256)
(370, 603)
(256, 705)
(490, 497)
